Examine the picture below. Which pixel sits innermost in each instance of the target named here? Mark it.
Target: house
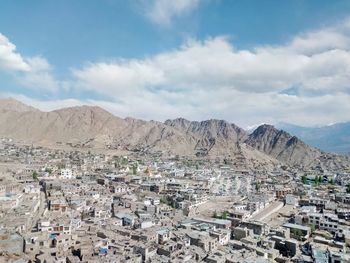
(128, 219)
(147, 250)
(291, 200)
(203, 240)
(218, 223)
(66, 174)
(163, 235)
(11, 243)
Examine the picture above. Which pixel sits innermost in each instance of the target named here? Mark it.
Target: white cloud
(212, 78)
(32, 72)
(162, 12)
(46, 105)
(9, 59)
(216, 63)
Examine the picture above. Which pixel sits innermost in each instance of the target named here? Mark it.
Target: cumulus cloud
(162, 12)
(216, 63)
(213, 78)
(46, 105)
(9, 59)
(304, 81)
(32, 72)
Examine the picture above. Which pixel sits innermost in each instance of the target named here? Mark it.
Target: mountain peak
(282, 145)
(82, 108)
(11, 104)
(266, 127)
(92, 126)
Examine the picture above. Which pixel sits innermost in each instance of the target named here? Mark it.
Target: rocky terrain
(93, 127)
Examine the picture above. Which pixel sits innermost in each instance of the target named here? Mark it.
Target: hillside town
(175, 131)
(63, 205)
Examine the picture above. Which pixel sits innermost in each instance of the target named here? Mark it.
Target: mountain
(216, 136)
(290, 149)
(281, 145)
(14, 105)
(93, 127)
(332, 138)
(76, 124)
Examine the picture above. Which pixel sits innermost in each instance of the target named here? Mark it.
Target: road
(40, 212)
(268, 210)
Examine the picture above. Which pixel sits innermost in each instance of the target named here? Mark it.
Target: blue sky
(248, 62)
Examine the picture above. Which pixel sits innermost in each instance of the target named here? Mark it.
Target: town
(64, 205)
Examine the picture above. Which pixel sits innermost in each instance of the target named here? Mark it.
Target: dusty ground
(267, 211)
(217, 203)
(280, 217)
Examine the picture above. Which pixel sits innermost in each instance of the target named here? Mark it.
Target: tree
(168, 200)
(257, 186)
(61, 166)
(331, 181)
(297, 233)
(35, 175)
(215, 214)
(82, 216)
(304, 179)
(224, 215)
(163, 200)
(348, 188)
(134, 169)
(313, 228)
(318, 180)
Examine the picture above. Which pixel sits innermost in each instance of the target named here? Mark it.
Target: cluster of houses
(63, 206)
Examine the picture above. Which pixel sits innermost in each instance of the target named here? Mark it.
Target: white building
(66, 174)
(291, 200)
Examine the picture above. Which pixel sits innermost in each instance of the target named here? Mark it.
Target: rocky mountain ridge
(91, 126)
(330, 138)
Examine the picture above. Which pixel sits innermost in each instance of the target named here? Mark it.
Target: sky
(244, 61)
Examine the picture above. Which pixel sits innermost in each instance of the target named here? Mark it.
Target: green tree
(163, 200)
(35, 175)
(134, 168)
(124, 160)
(82, 216)
(224, 215)
(318, 180)
(257, 186)
(348, 188)
(168, 200)
(331, 181)
(313, 228)
(215, 214)
(304, 179)
(297, 233)
(61, 166)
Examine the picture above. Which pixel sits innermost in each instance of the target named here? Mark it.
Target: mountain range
(94, 127)
(330, 138)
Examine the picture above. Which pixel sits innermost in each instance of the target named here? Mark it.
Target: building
(66, 174)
